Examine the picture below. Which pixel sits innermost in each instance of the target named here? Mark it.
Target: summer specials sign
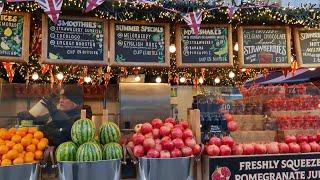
(307, 44)
(75, 41)
(261, 46)
(212, 47)
(14, 37)
(139, 44)
(271, 167)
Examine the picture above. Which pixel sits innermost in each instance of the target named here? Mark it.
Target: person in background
(57, 124)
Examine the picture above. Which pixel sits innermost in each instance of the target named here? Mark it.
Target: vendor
(57, 124)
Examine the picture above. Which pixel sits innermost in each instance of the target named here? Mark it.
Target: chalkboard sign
(15, 37)
(307, 46)
(139, 44)
(212, 47)
(261, 46)
(75, 40)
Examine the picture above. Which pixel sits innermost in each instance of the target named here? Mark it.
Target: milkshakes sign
(269, 167)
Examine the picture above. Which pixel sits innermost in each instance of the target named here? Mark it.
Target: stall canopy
(277, 77)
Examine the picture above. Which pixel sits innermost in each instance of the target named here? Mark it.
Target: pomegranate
(156, 123)
(190, 142)
(158, 147)
(318, 137)
(294, 148)
(260, 149)
(167, 145)
(137, 138)
(228, 117)
(152, 153)
(237, 150)
(232, 126)
(273, 148)
(164, 131)
(156, 133)
(283, 148)
(146, 128)
(315, 147)
(176, 133)
(305, 147)
(184, 124)
(178, 143)
(290, 139)
(215, 140)
(165, 154)
(138, 151)
(176, 153)
(302, 138)
(312, 138)
(225, 150)
(186, 151)
(157, 141)
(149, 135)
(179, 126)
(213, 150)
(196, 149)
(137, 128)
(170, 120)
(149, 143)
(187, 133)
(130, 145)
(248, 149)
(227, 140)
(170, 125)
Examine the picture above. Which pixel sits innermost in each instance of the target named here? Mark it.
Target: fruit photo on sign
(221, 173)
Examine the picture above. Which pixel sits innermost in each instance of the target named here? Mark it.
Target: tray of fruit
(164, 150)
(21, 149)
(90, 156)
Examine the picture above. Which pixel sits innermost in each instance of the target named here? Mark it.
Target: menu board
(75, 40)
(14, 37)
(139, 44)
(307, 46)
(261, 46)
(212, 47)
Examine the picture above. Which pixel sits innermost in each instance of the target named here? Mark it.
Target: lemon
(53, 56)
(4, 46)
(8, 32)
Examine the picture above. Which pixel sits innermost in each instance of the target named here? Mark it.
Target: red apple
(248, 149)
(130, 145)
(196, 149)
(167, 145)
(227, 140)
(170, 120)
(312, 138)
(178, 143)
(176, 153)
(148, 143)
(237, 150)
(232, 126)
(164, 131)
(137, 138)
(305, 147)
(156, 133)
(225, 150)
(156, 123)
(290, 139)
(184, 124)
(168, 125)
(176, 133)
(187, 133)
(213, 150)
(186, 151)
(165, 154)
(294, 148)
(152, 153)
(273, 148)
(146, 128)
(190, 142)
(315, 147)
(215, 140)
(302, 138)
(158, 147)
(137, 128)
(138, 151)
(283, 148)
(260, 149)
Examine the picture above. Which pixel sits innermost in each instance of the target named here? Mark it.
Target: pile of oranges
(21, 145)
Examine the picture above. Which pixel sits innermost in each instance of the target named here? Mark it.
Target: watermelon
(89, 151)
(66, 151)
(112, 151)
(109, 132)
(83, 130)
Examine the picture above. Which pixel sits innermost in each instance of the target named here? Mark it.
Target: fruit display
(298, 122)
(163, 139)
(292, 104)
(85, 146)
(21, 145)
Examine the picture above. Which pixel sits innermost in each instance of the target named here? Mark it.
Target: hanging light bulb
(137, 78)
(172, 48)
(60, 76)
(35, 76)
(217, 80)
(182, 79)
(201, 80)
(87, 79)
(312, 69)
(236, 46)
(231, 74)
(158, 79)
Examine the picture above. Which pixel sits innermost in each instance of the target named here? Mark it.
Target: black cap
(74, 93)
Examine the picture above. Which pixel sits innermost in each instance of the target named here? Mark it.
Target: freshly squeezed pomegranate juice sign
(264, 46)
(269, 167)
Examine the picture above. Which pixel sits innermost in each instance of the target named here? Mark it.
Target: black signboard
(75, 40)
(273, 167)
(307, 46)
(139, 44)
(261, 46)
(212, 46)
(14, 35)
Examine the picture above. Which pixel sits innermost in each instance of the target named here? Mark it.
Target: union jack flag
(193, 19)
(92, 4)
(52, 8)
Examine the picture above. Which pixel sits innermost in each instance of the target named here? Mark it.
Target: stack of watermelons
(85, 147)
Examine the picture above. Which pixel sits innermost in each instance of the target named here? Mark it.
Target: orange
(5, 156)
(3, 149)
(26, 141)
(35, 141)
(12, 154)
(38, 135)
(2, 142)
(16, 138)
(29, 135)
(6, 136)
(6, 162)
(10, 144)
(32, 130)
(21, 155)
(18, 147)
(38, 155)
(21, 133)
(28, 159)
(30, 154)
(18, 160)
(41, 146)
(44, 140)
(12, 130)
(31, 148)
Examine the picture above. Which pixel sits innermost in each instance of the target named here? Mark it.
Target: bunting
(92, 4)
(52, 8)
(193, 19)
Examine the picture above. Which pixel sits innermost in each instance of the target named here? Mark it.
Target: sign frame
(179, 46)
(241, 47)
(45, 59)
(297, 46)
(24, 58)
(140, 64)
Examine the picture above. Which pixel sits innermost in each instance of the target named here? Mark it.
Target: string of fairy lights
(161, 11)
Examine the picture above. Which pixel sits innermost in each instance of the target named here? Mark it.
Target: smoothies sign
(271, 167)
(75, 41)
(14, 37)
(264, 46)
(139, 44)
(212, 47)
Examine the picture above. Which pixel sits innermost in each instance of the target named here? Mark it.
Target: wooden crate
(294, 113)
(250, 122)
(283, 133)
(254, 136)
